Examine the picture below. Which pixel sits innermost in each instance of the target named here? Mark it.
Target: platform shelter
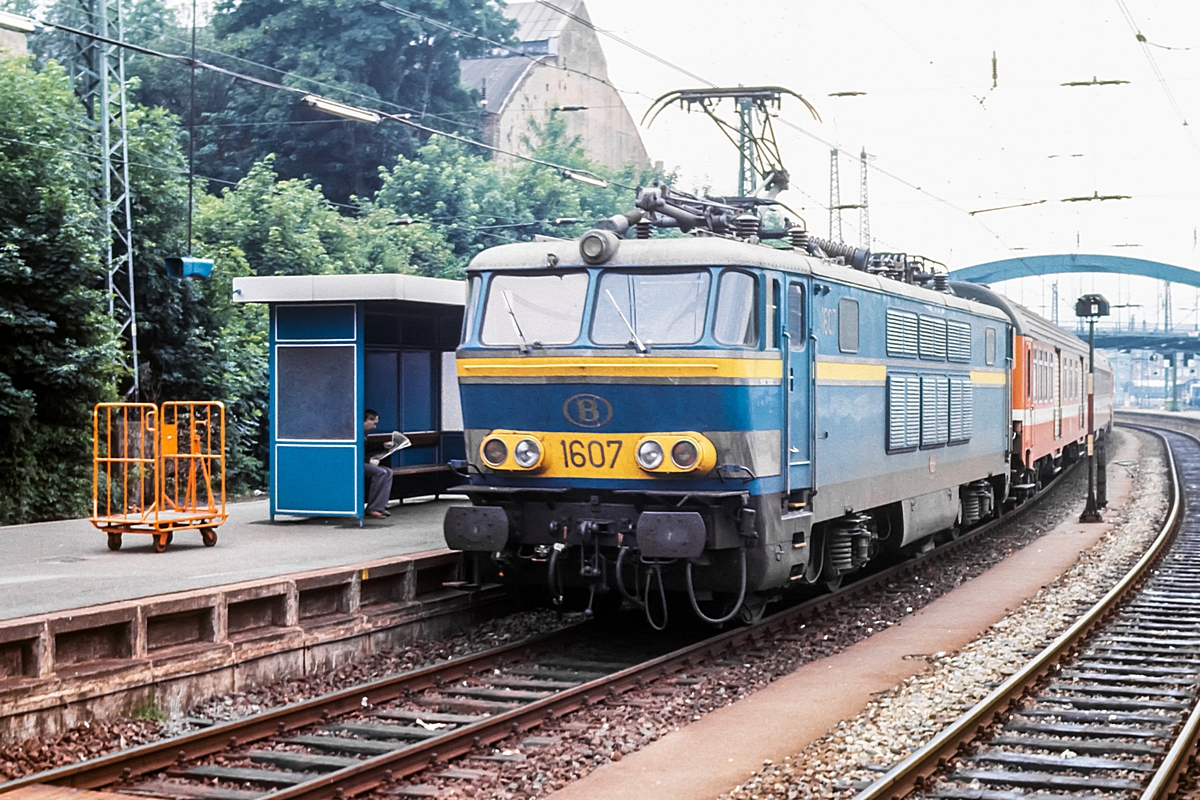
(340, 344)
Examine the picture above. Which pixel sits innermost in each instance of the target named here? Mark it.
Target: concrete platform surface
(55, 566)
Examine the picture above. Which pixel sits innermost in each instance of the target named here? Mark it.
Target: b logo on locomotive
(587, 410)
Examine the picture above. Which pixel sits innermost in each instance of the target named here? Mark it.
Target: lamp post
(1091, 307)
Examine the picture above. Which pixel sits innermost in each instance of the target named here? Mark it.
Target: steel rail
(904, 778)
(168, 752)
(374, 771)
(1165, 781)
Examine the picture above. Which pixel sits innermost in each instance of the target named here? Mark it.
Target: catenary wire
(587, 23)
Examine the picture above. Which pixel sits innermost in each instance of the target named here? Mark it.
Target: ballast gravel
(902, 720)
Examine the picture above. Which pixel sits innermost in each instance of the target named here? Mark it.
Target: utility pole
(98, 74)
(1166, 306)
(1091, 307)
(1172, 394)
(1054, 302)
(864, 217)
(835, 199)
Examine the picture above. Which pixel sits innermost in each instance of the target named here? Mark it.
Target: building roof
(537, 22)
(495, 78)
(324, 288)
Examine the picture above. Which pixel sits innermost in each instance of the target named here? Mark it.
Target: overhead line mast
(98, 74)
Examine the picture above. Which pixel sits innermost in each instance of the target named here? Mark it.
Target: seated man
(379, 478)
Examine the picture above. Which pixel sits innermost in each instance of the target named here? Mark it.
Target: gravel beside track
(902, 720)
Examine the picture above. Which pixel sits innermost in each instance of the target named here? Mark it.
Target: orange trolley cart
(158, 470)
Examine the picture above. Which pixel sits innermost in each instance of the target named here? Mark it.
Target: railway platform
(87, 632)
(54, 566)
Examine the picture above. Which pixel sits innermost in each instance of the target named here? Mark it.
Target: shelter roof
(324, 288)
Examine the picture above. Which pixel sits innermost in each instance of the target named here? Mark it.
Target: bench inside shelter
(340, 344)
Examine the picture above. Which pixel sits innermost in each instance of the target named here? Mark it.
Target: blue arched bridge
(1030, 266)
(1172, 339)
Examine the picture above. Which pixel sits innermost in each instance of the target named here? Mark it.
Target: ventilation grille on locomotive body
(901, 333)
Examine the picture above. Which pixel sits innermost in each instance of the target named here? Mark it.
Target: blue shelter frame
(340, 344)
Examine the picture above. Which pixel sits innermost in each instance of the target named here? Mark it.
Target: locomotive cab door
(798, 374)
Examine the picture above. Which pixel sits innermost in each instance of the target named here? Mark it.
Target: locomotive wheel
(114, 541)
(752, 608)
(161, 541)
(208, 536)
(831, 578)
(814, 568)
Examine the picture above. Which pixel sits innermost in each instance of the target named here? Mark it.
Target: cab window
(661, 308)
(472, 304)
(737, 306)
(848, 325)
(526, 310)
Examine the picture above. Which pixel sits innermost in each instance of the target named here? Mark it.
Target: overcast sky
(930, 118)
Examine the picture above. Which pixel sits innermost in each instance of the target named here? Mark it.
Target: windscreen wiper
(512, 315)
(641, 348)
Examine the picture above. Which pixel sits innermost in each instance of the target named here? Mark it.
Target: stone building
(13, 30)
(559, 65)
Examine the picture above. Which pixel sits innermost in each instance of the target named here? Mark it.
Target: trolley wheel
(114, 541)
(170, 536)
(161, 541)
(209, 536)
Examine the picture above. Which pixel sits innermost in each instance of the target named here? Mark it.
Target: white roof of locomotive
(707, 252)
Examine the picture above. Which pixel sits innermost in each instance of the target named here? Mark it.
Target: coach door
(1058, 362)
(799, 389)
(316, 418)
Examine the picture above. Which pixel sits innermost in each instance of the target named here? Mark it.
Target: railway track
(1107, 709)
(380, 734)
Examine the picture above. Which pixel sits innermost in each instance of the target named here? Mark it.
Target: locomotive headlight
(527, 453)
(495, 452)
(685, 454)
(649, 454)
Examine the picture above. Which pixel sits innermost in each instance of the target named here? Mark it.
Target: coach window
(848, 325)
(989, 346)
(736, 321)
(525, 310)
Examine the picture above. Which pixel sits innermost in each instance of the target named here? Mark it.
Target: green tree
(349, 50)
(268, 226)
(60, 353)
(477, 203)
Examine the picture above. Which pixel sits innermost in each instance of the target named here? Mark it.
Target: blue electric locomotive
(717, 416)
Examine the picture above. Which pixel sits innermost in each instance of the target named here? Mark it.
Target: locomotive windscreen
(528, 309)
(663, 308)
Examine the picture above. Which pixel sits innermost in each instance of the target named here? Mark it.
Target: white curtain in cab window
(666, 308)
(548, 309)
